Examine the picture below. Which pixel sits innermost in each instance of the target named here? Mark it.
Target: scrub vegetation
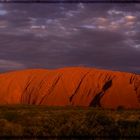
(75, 122)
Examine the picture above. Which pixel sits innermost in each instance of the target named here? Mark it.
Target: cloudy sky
(39, 35)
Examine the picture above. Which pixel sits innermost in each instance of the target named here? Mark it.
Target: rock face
(74, 86)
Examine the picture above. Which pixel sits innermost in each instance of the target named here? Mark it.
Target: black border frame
(69, 1)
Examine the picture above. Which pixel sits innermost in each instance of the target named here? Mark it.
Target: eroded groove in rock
(38, 91)
(137, 87)
(51, 88)
(89, 92)
(96, 100)
(132, 78)
(26, 94)
(77, 88)
(107, 85)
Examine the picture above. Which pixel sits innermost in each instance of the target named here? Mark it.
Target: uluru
(72, 86)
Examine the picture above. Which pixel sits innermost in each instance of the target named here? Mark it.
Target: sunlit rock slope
(75, 86)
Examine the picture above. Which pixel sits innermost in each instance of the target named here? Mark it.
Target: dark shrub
(120, 108)
(129, 128)
(10, 129)
(11, 116)
(103, 119)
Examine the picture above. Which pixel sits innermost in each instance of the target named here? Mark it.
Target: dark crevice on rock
(26, 96)
(136, 87)
(51, 88)
(38, 90)
(107, 85)
(78, 87)
(132, 78)
(96, 100)
(89, 92)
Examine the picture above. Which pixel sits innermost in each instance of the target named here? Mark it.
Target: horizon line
(68, 67)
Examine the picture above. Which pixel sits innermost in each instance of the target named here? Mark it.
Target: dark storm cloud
(58, 35)
(101, 49)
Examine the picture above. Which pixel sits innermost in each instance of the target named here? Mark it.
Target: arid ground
(30, 121)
